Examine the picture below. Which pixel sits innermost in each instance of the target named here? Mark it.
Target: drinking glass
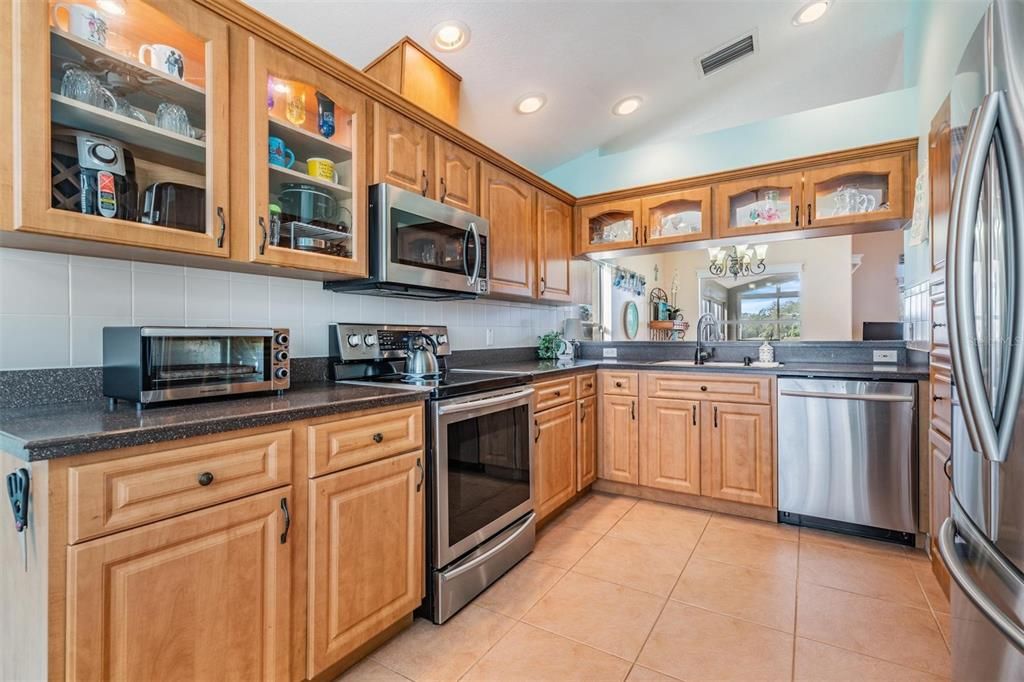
(174, 118)
(295, 109)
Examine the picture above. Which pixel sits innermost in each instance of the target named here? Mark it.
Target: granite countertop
(62, 430)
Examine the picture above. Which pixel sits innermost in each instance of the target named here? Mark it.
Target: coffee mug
(164, 58)
(322, 168)
(280, 155)
(83, 21)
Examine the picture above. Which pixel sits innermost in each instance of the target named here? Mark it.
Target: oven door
(424, 243)
(482, 452)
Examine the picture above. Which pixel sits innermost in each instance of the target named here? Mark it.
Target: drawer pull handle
(716, 416)
(936, 325)
(378, 437)
(588, 386)
(632, 410)
(937, 398)
(558, 393)
(205, 478)
(287, 520)
(618, 384)
(583, 411)
(693, 409)
(703, 388)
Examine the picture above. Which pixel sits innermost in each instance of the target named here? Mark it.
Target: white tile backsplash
(53, 308)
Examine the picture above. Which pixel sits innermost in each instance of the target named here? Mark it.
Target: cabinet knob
(703, 388)
(618, 384)
(936, 325)
(558, 394)
(378, 437)
(205, 478)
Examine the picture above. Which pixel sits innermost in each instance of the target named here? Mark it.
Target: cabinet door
(673, 217)
(554, 248)
(401, 151)
(84, 97)
(283, 95)
(858, 192)
(555, 458)
(738, 462)
(610, 225)
(586, 442)
(457, 178)
(366, 557)
(939, 184)
(619, 442)
(758, 205)
(938, 493)
(670, 445)
(203, 596)
(508, 204)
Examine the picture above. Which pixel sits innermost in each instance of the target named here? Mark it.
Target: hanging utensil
(17, 491)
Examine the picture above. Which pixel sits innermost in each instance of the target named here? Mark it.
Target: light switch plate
(610, 352)
(884, 356)
(490, 337)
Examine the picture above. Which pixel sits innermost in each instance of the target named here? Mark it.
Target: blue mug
(280, 155)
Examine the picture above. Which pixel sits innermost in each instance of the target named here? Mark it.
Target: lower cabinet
(366, 556)
(618, 445)
(938, 494)
(554, 458)
(586, 442)
(202, 596)
(738, 458)
(670, 445)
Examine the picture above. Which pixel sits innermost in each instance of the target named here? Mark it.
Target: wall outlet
(490, 337)
(610, 352)
(885, 356)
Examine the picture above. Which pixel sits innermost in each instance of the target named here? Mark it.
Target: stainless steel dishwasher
(848, 456)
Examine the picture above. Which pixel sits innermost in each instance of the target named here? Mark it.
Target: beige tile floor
(619, 589)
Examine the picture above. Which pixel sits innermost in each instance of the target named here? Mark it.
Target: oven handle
(486, 556)
(484, 402)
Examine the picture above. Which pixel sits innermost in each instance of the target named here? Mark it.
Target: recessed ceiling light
(115, 7)
(811, 12)
(450, 35)
(625, 107)
(530, 104)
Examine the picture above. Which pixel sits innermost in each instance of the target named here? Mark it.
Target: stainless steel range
(480, 519)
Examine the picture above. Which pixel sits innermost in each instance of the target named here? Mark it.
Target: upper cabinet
(554, 248)
(610, 225)
(680, 216)
(757, 205)
(508, 205)
(123, 124)
(856, 192)
(304, 199)
(457, 175)
(401, 151)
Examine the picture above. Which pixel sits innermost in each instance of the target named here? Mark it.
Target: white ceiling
(586, 55)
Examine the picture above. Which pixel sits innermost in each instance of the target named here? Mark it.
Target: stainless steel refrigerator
(982, 543)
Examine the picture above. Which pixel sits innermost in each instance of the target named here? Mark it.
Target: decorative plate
(631, 319)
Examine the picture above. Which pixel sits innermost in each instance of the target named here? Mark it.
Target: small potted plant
(549, 345)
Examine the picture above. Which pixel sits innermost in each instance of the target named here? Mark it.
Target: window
(754, 307)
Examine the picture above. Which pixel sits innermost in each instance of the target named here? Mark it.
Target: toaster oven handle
(479, 256)
(263, 243)
(223, 227)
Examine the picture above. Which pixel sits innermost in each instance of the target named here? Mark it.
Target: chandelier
(742, 260)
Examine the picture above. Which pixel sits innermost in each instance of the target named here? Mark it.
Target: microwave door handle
(476, 250)
(465, 257)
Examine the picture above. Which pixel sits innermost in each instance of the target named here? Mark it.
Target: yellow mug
(322, 168)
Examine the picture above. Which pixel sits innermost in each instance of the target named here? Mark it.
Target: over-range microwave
(421, 248)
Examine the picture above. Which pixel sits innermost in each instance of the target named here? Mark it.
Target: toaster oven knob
(442, 339)
(281, 339)
(281, 355)
(354, 340)
(370, 339)
(281, 373)
(103, 153)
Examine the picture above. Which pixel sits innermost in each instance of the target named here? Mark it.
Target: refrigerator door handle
(1006, 625)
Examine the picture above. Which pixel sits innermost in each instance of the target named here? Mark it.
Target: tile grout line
(796, 604)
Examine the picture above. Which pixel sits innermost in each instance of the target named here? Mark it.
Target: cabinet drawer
(942, 402)
(685, 386)
(554, 392)
(619, 383)
(346, 443)
(123, 493)
(586, 385)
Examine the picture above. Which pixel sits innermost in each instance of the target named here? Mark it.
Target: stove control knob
(281, 373)
(103, 153)
(354, 340)
(370, 340)
(442, 339)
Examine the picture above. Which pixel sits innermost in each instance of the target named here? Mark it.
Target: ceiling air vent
(727, 54)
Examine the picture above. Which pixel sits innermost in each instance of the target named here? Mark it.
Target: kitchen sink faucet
(707, 325)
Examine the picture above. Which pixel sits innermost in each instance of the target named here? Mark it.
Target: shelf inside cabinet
(282, 174)
(74, 114)
(305, 144)
(144, 86)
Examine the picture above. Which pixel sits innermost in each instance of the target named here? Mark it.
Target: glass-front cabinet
(305, 206)
(758, 205)
(123, 115)
(681, 216)
(857, 192)
(610, 225)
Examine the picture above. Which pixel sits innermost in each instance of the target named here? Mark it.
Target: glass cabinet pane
(769, 205)
(612, 227)
(675, 219)
(849, 195)
(310, 169)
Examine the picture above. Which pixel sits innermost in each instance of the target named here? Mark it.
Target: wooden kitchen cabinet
(586, 442)
(204, 595)
(554, 248)
(508, 204)
(618, 442)
(855, 192)
(366, 555)
(401, 151)
(675, 217)
(294, 87)
(670, 445)
(737, 456)
(457, 176)
(758, 205)
(554, 458)
(610, 225)
(52, 116)
(939, 449)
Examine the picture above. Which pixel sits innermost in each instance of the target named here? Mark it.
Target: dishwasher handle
(867, 397)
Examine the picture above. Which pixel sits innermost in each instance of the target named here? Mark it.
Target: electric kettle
(419, 361)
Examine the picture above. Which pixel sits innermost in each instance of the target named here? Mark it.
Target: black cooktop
(454, 382)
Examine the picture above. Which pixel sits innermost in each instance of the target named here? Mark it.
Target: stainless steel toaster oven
(147, 365)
